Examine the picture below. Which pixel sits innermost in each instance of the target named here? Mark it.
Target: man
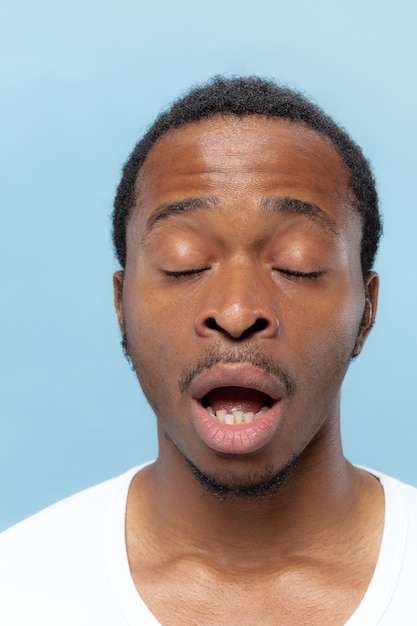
(246, 224)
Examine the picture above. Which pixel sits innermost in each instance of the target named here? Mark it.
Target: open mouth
(236, 405)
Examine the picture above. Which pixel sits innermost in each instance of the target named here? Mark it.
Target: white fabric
(68, 565)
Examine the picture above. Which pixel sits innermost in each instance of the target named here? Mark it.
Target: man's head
(244, 97)
(246, 287)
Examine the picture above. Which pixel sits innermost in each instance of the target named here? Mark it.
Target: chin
(257, 486)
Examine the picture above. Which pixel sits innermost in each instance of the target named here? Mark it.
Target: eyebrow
(168, 209)
(293, 206)
(286, 205)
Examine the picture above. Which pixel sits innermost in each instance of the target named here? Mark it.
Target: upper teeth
(236, 417)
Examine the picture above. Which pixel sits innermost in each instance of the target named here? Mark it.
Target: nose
(239, 307)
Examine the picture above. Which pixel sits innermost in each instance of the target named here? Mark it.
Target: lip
(243, 438)
(236, 375)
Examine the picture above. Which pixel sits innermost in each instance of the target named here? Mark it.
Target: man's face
(243, 293)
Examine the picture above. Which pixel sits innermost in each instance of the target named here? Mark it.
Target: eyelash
(180, 274)
(295, 274)
(289, 273)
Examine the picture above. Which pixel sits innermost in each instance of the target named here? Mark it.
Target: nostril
(212, 324)
(258, 326)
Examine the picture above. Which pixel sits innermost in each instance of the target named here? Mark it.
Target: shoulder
(400, 532)
(60, 553)
(81, 510)
(403, 498)
(397, 491)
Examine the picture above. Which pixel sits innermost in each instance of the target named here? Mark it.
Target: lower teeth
(236, 417)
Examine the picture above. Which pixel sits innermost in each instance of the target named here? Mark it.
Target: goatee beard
(258, 488)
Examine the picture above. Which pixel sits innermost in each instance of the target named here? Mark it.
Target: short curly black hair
(245, 96)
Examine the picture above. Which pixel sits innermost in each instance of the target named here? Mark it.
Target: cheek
(155, 334)
(326, 338)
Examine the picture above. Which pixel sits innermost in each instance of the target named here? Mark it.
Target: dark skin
(237, 273)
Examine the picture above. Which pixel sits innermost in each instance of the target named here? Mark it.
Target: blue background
(80, 81)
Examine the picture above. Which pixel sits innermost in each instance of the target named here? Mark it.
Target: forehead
(244, 159)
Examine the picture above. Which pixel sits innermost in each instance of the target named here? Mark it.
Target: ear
(118, 278)
(369, 313)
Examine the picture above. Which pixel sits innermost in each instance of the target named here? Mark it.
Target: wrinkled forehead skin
(223, 137)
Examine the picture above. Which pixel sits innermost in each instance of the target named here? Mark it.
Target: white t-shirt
(67, 565)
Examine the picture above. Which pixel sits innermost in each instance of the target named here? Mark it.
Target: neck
(319, 495)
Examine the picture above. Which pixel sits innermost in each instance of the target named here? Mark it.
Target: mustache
(251, 354)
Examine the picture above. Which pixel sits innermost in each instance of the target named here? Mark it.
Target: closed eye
(285, 272)
(297, 274)
(182, 273)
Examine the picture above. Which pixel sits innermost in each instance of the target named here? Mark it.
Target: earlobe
(118, 278)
